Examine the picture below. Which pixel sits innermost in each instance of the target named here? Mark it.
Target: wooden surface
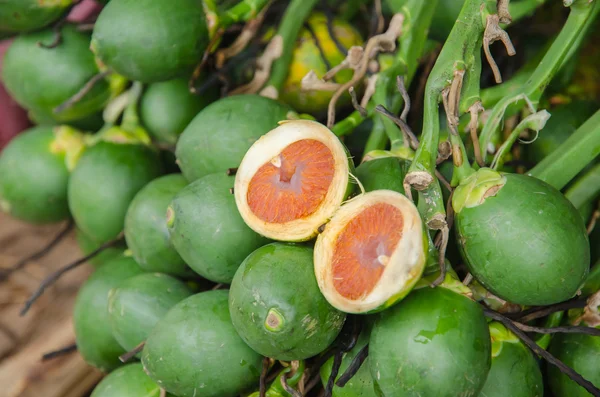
(48, 325)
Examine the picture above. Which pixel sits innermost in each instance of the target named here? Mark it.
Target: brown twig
(87, 87)
(354, 366)
(263, 67)
(404, 127)
(445, 233)
(405, 97)
(535, 313)
(555, 330)
(52, 278)
(503, 12)
(4, 273)
(592, 223)
(262, 383)
(493, 32)
(132, 353)
(385, 42)
(355, 104)
(247, 34)
(335, 369)
(474, 110)
(60, 352)
(508, 323)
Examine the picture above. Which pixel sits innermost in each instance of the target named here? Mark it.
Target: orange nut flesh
(363, 249)
(293, 184)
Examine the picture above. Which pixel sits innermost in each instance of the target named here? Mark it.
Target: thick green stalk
(291, 24)
(580, 18)
(572, 156)
(592, 282)
(241, 12)
(586, 188)
(462, 46)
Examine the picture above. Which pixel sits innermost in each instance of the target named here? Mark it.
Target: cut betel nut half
(371, 253)
(292, 180)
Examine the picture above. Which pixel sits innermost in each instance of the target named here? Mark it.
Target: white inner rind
(405, 265)
(271, 145)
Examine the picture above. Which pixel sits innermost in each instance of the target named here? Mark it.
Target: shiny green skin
(40, 79)
(194, 350)
(33, 180)
(146, 230)
(93, 333)
(221, 134)
(361, 384)
(26, 15)
(87, 245)
(435, 342)
(208, 231)
(280, 277)
(564, 120)
(385, 173)
(151, 40)
(127, 381)
(167, 108)
(105, 180)
(580, 352)
(515, 243)
(515, 372)
(135, 306)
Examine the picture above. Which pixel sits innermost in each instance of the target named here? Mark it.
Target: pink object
(13, 118)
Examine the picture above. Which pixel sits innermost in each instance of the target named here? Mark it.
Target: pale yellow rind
(405, 265)
(271, 145)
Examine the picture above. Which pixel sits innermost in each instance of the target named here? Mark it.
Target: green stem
(534, 122)
(377, 138)
(521, 9)
(289, 29)
(347, 125)
(586, 188)
(580, 18)
(131, 119)
(572, 156)
(462, 46)
(241, 12)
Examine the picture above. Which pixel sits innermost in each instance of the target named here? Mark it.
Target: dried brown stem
(52, 278)
(445, 233)
(266, 365)
(263, 67)
(87, 87)
(247, 34)
(4, 273)
(409, 136)
(405, 97)
(369, 90)
(132, 353)
(385, 42)
(354, 366)
(474, 110)
(592, 223)
(60, 352)
(468, 278)
(289, 389)
(503, 12)
(355, 104)
(508, 323)
(335, 369)
(311, 82)
(493, 32)
(535, 313)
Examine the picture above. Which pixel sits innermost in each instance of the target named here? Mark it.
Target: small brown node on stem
(444, 151)
(419, 180)
(493, 32)
(591, 312)
(503, 12)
